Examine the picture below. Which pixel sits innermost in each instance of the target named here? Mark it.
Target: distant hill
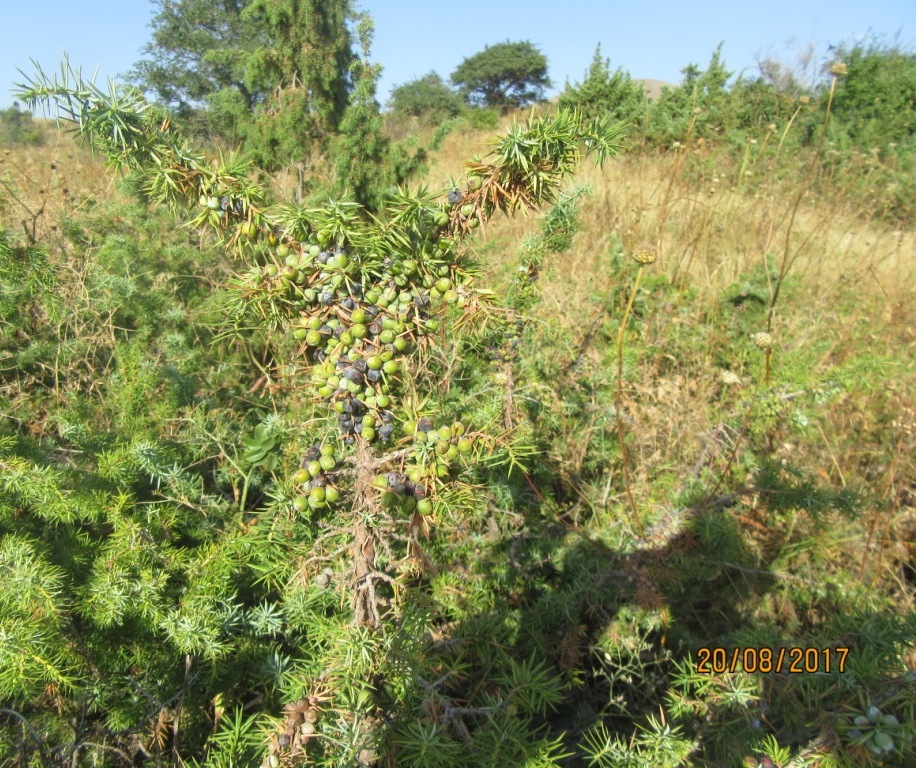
(653, 87)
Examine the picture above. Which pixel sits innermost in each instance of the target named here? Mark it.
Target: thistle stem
(618, 398)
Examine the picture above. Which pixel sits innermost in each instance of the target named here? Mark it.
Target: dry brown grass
(709, 231)
(853, 294)
(40, 184)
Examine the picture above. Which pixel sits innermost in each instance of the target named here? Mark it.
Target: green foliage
(757, 107)
(559, 226)
(656, 744)
(875, 101)
(98, 537)
(198, 53)
(442, 132)
(503, 76)
(305, 67)
(481, 118)
(873, 127)
(602, 91)
(238, 742)
(310, 50)
(367, 165)
(33, 617)
(272, 76)
(863, 141)
(18, 128)
(26, 281)
(697, 107)
(426, 96)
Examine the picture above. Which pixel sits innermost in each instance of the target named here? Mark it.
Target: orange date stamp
(787, 660)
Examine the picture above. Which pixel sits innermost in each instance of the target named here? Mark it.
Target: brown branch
(365, 539)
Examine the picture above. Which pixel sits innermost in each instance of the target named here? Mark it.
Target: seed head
(730, 378)
(838, 69)
(762, 340)
(645, 253)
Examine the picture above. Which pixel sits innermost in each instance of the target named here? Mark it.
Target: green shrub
(426, 96)
(481, 118)
(18, 128)
(213, 555)
(602, 92)
(875, 100)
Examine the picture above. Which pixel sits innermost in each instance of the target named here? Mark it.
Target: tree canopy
(505, 75)
(601, 91)
(876, 98)
(273, 75)
(427, 95)
(699, 105)
(199, 49)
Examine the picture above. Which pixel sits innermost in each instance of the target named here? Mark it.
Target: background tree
(505, 75)
(196, 60)
(18, 127)
(601, 92)
(273, 75)
(306, 62)
(698, 106)
(363, 158)
(427, 95)
(875, 100)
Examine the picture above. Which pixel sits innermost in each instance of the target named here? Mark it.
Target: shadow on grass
(618, 627)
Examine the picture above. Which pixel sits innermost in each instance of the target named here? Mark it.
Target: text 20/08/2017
(715, 660)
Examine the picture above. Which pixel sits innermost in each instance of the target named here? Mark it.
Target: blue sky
(412, 37)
